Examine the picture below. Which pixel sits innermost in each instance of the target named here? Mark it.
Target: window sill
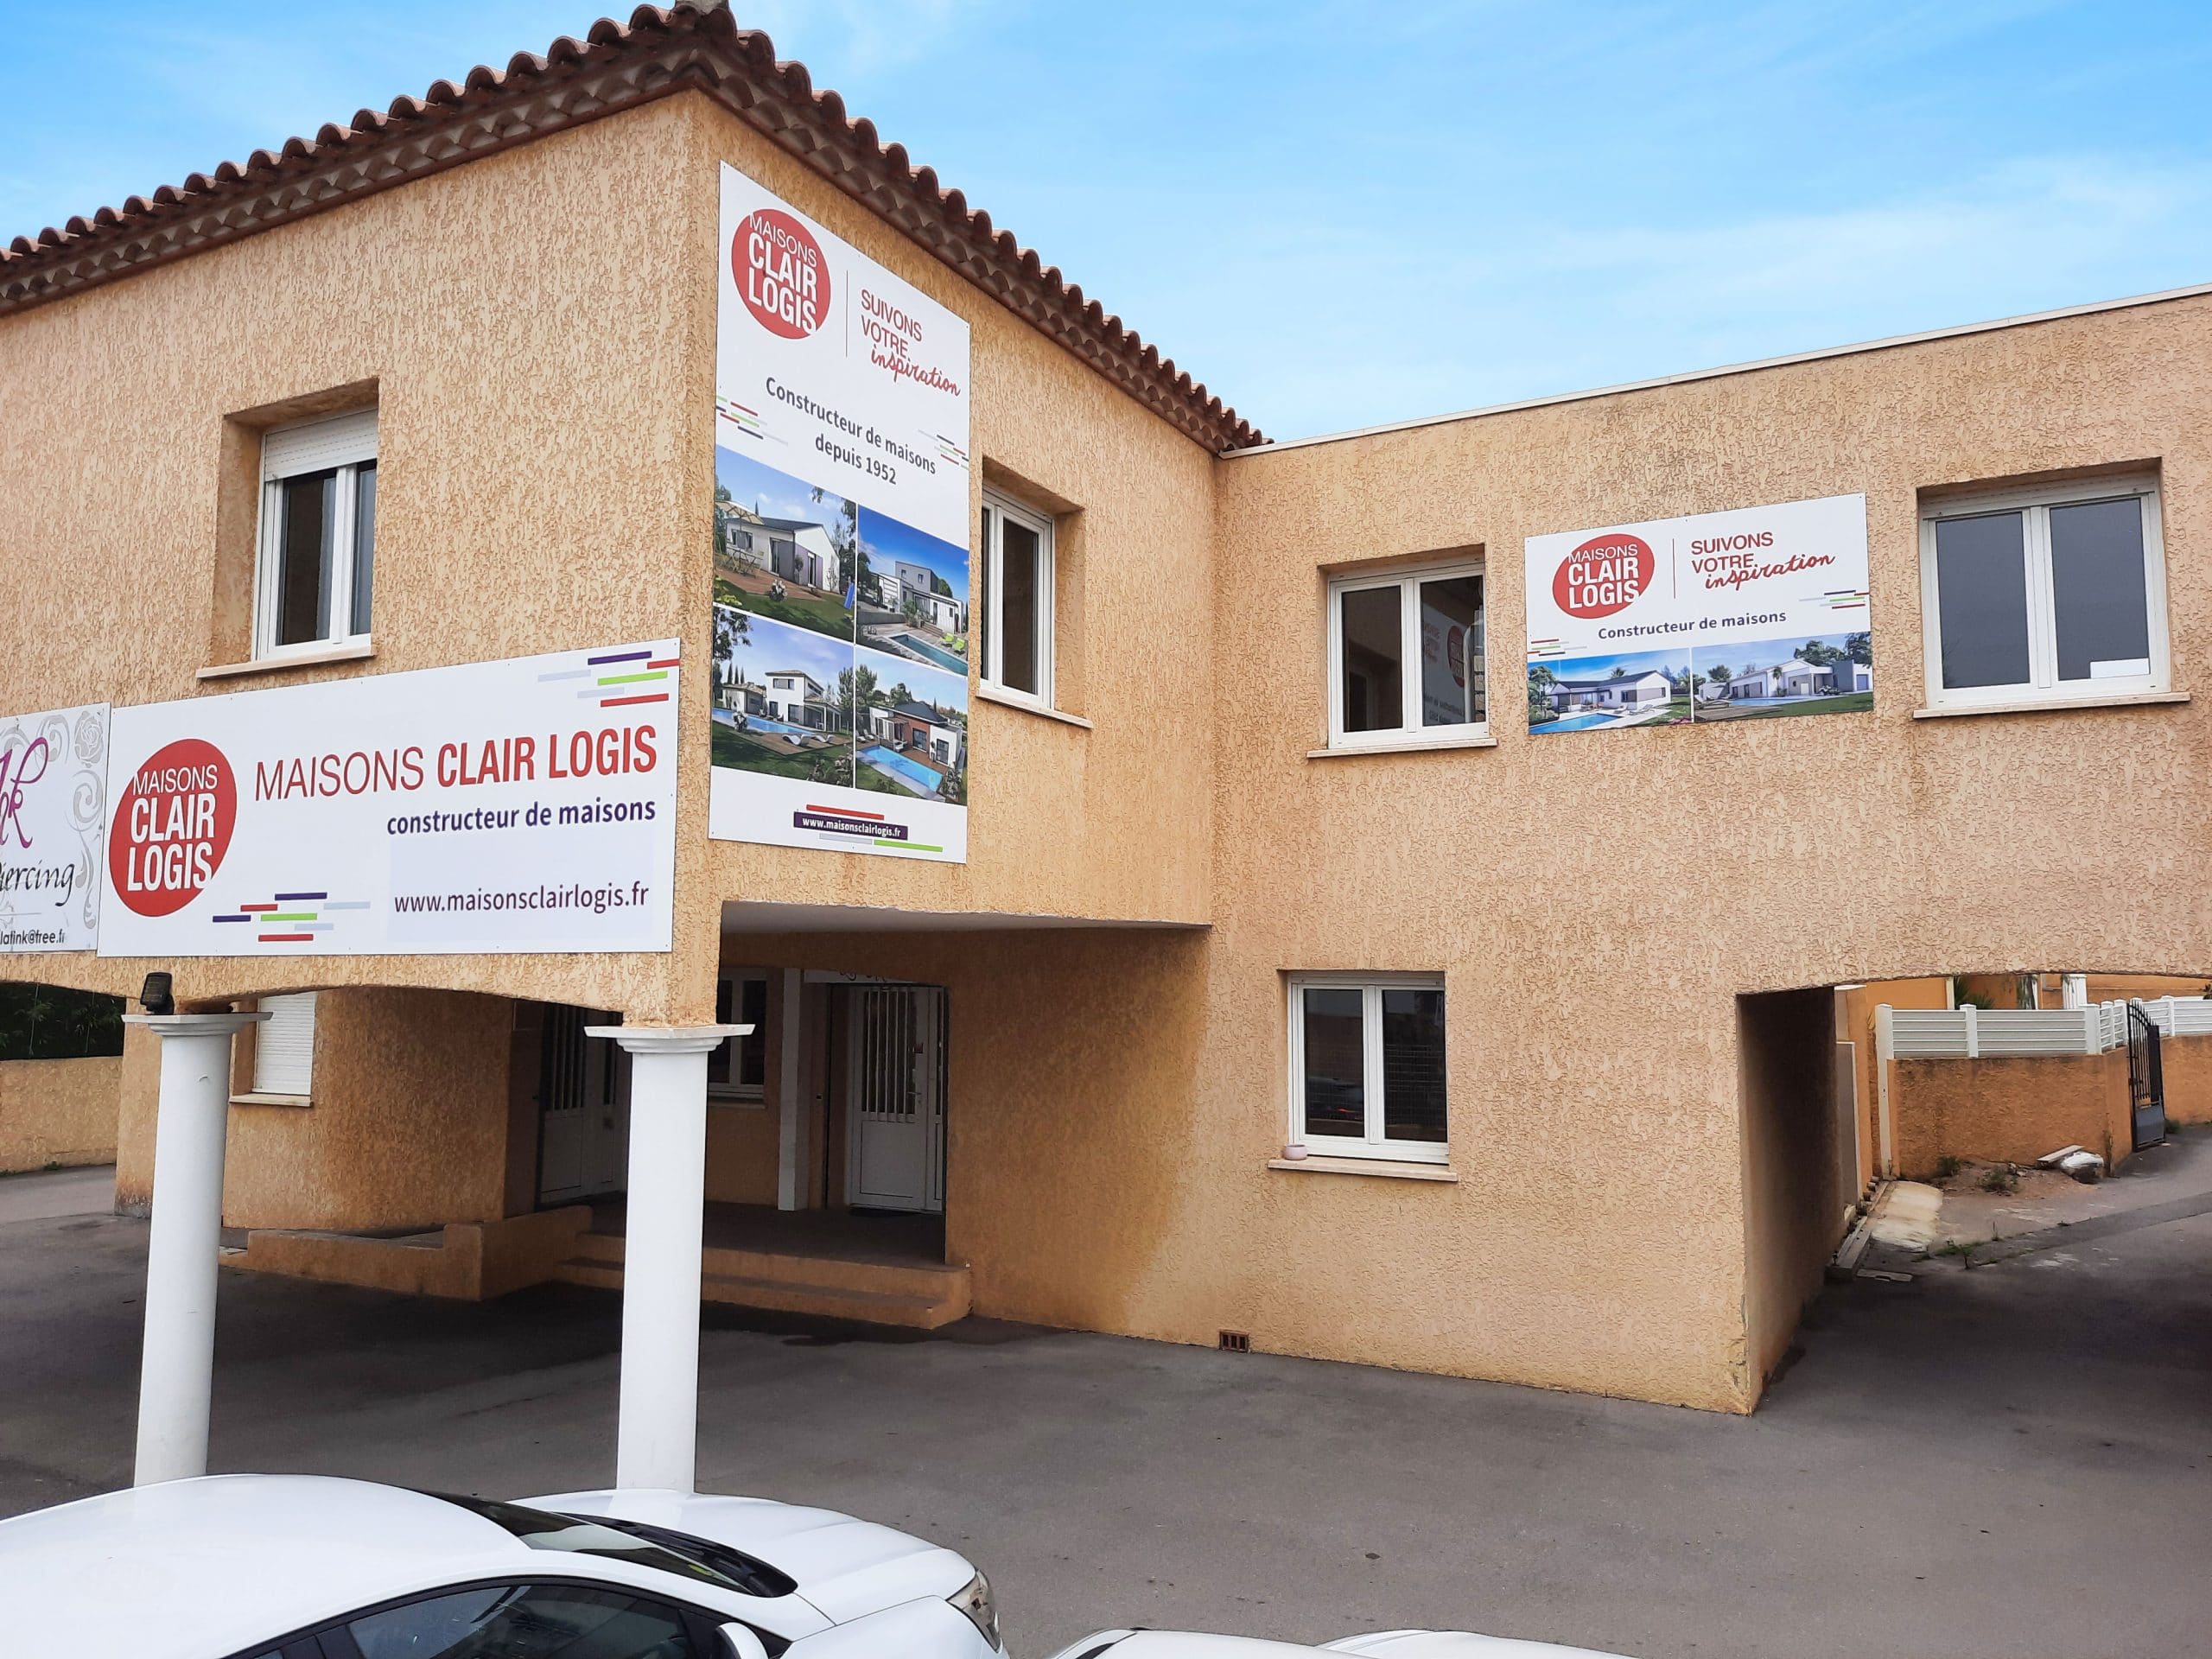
(743, 1102)
(1402, 746)
(2052, 705)
(349, 651)
(1387, 1168)
(272, 1100)
(1028, 706)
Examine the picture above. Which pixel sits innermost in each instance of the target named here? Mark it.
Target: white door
(583, 1099)
(894, 1093)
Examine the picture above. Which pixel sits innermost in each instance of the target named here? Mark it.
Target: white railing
(2180, 1016)
(1977, 1033)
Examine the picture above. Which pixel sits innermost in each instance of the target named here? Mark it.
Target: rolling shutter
(341, 441)
(283, 1045)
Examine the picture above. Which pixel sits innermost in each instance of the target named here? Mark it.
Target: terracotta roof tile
(617, 66)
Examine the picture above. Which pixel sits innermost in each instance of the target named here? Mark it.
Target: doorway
(896, 1040)
(583, 1108)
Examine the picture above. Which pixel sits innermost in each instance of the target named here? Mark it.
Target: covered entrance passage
(826, 1153)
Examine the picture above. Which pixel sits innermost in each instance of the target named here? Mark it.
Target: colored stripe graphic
(618, 656)
(907, 846)
(299, 898)
(633, 679)
(623, 703)
(287, 939)
(848, 813)
(251, 908)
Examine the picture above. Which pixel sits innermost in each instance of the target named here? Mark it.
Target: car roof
(216, 1564)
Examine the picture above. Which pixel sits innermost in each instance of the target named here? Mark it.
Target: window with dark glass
(317, 562)
(2052, 592)
(1407, 656)
(1018, 589)
(1368, 1066)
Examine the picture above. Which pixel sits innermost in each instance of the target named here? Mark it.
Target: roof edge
(617, 66)
(1889, 342)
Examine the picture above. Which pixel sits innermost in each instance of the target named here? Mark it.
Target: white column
(177, 1369)
(657, 1433)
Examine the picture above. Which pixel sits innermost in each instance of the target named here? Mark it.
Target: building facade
(1262, 1001)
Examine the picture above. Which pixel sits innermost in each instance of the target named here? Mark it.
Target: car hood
(1454, 1644)
(1379, 1645)
(844, 1568)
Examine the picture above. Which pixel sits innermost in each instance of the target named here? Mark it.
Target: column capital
(195, 1025)
(669, 1039)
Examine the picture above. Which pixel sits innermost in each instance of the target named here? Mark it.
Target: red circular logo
(780, 272)
(1604, 574)
(172, 826)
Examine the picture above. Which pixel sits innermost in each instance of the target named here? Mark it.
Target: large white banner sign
(53, 792)
(840, 545)
(1756, 613)
(521, 805)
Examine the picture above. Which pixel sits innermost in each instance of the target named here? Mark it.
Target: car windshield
(572, 1535)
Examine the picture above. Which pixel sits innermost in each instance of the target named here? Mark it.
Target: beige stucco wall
(2186, 1063)
(1797, 1183)
(408, 1125)
(1594, 977)
(1112, 822)
(1859, 1005)
(58, 1112)
(2009, 1109)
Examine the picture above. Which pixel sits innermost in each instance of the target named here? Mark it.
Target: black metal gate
(2146, 1078)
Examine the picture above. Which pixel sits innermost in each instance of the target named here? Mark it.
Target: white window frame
(300, 1006)
(997, 509)
(1373, 1143)
(342, 441)
(1409, 732)
(2034, 505)
(719, 1063)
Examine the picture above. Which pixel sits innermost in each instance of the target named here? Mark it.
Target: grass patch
(1851, 702)
(815, 612)
(1946, 1166)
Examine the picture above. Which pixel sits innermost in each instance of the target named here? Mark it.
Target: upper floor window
(1406, 659)
(316, 564)
(1367, 1076)
(1018, 598)
(2050, 594)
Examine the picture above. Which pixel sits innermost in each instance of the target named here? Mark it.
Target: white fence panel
(1962, 1033)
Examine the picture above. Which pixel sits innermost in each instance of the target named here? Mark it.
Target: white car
(297, 1567)
(1379, 1645)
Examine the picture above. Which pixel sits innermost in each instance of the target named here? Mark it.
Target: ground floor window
(739, 1069)
(1367, 1076)
(283, 1046)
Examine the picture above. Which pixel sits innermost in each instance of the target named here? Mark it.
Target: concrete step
(918, 1298)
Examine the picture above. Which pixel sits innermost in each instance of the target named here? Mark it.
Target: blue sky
(888, 540)
(1337, 214)
(771, 493)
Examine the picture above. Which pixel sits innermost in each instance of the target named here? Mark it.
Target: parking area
(2008, 1459)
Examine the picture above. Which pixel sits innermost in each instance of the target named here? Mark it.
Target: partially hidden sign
(1755, 613)
(521, 805)
(52, 790)
(839, 546)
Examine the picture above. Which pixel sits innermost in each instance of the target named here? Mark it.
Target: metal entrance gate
(894, 1082)
(2146, 1078)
